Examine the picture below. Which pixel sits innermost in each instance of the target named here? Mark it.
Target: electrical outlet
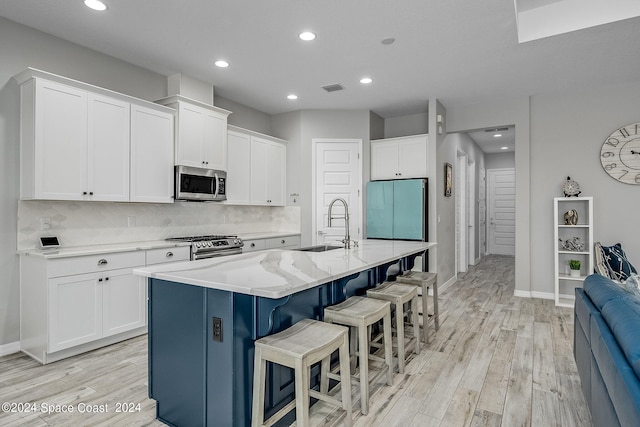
(217, 329)
(45, 223)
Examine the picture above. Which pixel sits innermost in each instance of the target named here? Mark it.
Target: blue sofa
(607, 351)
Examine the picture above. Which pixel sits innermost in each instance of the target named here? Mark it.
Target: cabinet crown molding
(173, 99)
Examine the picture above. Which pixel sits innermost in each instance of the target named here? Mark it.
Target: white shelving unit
(564, 282)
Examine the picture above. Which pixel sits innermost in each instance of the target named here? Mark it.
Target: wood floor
(497, 360)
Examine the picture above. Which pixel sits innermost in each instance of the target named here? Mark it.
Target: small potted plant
(574, 265)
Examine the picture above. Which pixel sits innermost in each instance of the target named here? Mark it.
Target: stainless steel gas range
(211, 246)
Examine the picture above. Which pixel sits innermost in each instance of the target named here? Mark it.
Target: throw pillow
(612, 262)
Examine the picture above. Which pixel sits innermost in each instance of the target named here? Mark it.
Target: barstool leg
(345, 381)
(257, 410)
(425, 313)
(302, 393)
(416, 324)
(436, 310)
(325, 365)
(364, 369)
(400, 337)
(388, 347)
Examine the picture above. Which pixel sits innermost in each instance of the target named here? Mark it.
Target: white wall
(567, 131)
(500, 160)
(245, 117)
(300, 128)
(411, 124)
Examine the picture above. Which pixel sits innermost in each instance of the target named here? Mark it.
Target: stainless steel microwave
(200, 184)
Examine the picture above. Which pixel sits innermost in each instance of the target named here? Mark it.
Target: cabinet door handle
(91, 193)
(169, 254)
(253, 245)
(102, 261)
(84, 193)
(100, 279)
(283, 241)
(106, 278)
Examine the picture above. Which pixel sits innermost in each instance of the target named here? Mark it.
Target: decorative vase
(575, 273)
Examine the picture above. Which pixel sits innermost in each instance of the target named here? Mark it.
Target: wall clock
(620, 154)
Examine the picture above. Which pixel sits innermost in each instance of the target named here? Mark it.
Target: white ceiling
(458, 51)
(490, 144)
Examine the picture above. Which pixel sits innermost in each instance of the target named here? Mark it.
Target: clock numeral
(607, 154)
(611, 166)
(624, 172)
(637, 126)
(613, 142)
(625, 133)
(637, 178)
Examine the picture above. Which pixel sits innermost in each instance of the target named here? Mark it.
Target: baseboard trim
(12, 347)
(447, 284)
(534, 294)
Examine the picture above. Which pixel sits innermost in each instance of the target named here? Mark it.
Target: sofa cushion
(623, 318)
(602, 290)
(612, 262)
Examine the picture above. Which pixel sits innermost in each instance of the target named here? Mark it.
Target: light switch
(45, 223)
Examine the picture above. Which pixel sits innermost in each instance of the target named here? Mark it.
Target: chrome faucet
(347, 238)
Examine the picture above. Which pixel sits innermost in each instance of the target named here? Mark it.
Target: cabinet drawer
(164, 255)
(283, 242)
(253, 245)
(94, 263)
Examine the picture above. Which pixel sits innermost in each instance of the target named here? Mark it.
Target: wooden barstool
(298, 347)
(399, 294)
(360, 313)
(424, 280)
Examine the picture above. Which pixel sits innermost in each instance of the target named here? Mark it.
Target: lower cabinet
(286, 242)
(70, 305)
(87, 307)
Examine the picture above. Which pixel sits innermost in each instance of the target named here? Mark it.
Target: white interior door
(502, 211)
(460, 174)
(337, 174)
(482, 212)
(471, 213)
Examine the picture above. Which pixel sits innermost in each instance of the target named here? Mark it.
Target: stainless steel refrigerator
(397, 209)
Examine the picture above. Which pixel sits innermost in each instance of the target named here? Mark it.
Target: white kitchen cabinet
(400, 158)
(283, 242)
(201, 133)
(256, 171)
(152, 171)
(53, 141)
(268, 172)
(166, 255)
(88, 307)
(107, 149)
(238, 168)
(75, 142)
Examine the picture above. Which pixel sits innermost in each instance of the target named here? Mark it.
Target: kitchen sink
(320, 248)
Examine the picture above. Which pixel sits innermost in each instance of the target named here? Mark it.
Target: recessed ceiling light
(366, 80)
(388, 40)
(222, 63)
(307, 36)
(292, 97)
(497, 135)
(504, 148)
(95, 4)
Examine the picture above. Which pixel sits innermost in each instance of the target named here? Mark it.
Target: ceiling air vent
(333, 88)
(496, 129)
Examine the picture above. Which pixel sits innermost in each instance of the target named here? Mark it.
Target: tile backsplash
(90, 223)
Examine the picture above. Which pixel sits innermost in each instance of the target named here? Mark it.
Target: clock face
(620, 154)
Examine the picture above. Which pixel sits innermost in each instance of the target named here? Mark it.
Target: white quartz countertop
(267, 235)
(279, 273)
(101, 249)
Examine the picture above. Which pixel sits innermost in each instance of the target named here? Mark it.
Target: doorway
(461, 212)
(337, 172)
(502, 211)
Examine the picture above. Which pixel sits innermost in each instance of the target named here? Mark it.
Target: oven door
(215, 253)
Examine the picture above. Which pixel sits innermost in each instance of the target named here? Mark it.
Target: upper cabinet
(400, 158)
(201, 133)
(151, 155)
(81, 142)
(256, 171)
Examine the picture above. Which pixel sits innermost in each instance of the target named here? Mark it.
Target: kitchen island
(204, 317)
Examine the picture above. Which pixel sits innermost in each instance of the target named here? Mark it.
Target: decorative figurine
(572, 244)
(571, 188)
(571, 217)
